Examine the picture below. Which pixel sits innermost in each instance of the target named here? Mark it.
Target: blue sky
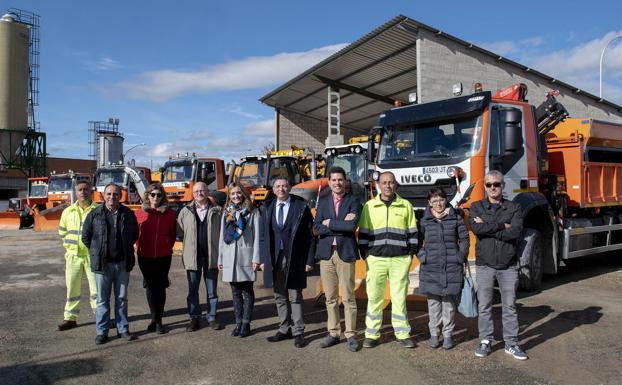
(187, 75)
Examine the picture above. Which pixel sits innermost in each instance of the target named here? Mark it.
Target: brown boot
(66, 325)
(194, 325)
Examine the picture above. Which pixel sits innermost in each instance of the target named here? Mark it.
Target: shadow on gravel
(49, 373)
(579, 269)
(562, 323)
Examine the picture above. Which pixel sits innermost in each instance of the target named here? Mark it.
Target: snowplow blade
(10, 220)
(48, 220)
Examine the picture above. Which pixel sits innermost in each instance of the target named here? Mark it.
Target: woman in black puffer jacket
(444, 252)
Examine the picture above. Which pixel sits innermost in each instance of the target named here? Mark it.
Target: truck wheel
(530, 260)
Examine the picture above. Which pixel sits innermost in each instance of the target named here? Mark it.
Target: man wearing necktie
(287, 249)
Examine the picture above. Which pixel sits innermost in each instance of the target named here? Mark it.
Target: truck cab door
(505, 147)
(207, 173)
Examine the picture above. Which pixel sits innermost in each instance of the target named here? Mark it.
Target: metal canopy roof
(372, 72)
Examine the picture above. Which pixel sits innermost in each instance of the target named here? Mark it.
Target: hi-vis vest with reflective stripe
(388, 231)
(70, 229)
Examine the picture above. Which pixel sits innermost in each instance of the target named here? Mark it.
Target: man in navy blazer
(287, 252)
(335, 224)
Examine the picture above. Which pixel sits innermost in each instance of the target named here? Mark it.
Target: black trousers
(243, 297)
(155, 274)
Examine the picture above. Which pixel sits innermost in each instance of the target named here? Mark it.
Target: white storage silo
(110, 149)
(14, 78)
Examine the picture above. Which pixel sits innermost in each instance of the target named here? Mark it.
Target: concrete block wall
(444, 62)
(300, 130)
(304, 131)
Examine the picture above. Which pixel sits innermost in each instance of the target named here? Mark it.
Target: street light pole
(131, 148)
(602, 56)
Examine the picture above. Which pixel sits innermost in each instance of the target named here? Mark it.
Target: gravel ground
(570, 330)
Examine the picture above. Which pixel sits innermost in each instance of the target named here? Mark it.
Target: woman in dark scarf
(238, 255)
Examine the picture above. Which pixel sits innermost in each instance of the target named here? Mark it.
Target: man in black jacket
(497, 224)
(335, 223)
(287, 254)
(110, 231)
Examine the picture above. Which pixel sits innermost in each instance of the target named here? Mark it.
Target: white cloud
(261, 128)
(246, 73)
(532, 41)
(582, 60)
(103, 63)
(578, 65)
(500, 47)
(209, 144)
(239, 111)
(507, 47)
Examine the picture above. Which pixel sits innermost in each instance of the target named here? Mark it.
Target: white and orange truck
(352, 158)
(60, 194)
(133, 181)
(179, 174)
(257, 173)
(566, 173)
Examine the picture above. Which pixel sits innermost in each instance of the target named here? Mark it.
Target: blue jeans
(194, 281)
(114, 274)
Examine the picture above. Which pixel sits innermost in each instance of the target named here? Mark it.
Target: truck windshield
(285, 167)
(449, 139)
(355, 166)
(177, 172)
(252, 172)
(118, 177)
(38, 190)
(60, 184)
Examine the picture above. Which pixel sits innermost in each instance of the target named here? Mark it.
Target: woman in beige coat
(238, 255)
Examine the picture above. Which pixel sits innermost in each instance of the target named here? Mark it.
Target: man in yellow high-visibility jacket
(387, 241)
(77, 261)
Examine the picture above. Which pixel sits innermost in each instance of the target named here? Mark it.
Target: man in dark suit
(335, 223)
(287, 252)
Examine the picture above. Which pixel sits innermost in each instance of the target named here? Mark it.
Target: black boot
(245, 330)
(151, 327)
(159, 327)
(236, 331)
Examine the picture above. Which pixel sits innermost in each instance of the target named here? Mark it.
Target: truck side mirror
(513, 130)
(371, 144)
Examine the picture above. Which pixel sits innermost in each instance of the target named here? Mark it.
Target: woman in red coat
(156, 237)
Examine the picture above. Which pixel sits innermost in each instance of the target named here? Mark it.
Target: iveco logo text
(408, 179)
(475, 99)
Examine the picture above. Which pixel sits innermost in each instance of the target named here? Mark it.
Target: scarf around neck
(235, 222)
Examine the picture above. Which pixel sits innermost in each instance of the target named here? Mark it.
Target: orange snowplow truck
(20, 212)
(257, 173)
(60, 194)
(566, 174)
(180, 174)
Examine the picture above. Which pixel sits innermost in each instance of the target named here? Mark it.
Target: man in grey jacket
(199, 226)
(497, 223)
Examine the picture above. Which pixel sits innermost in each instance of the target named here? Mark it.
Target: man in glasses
(198, 224)
(110, 231)
(497, 224)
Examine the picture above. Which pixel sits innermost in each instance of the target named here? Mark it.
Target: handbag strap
(467, 269)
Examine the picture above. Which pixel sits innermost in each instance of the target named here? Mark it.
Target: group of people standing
(284, 240)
